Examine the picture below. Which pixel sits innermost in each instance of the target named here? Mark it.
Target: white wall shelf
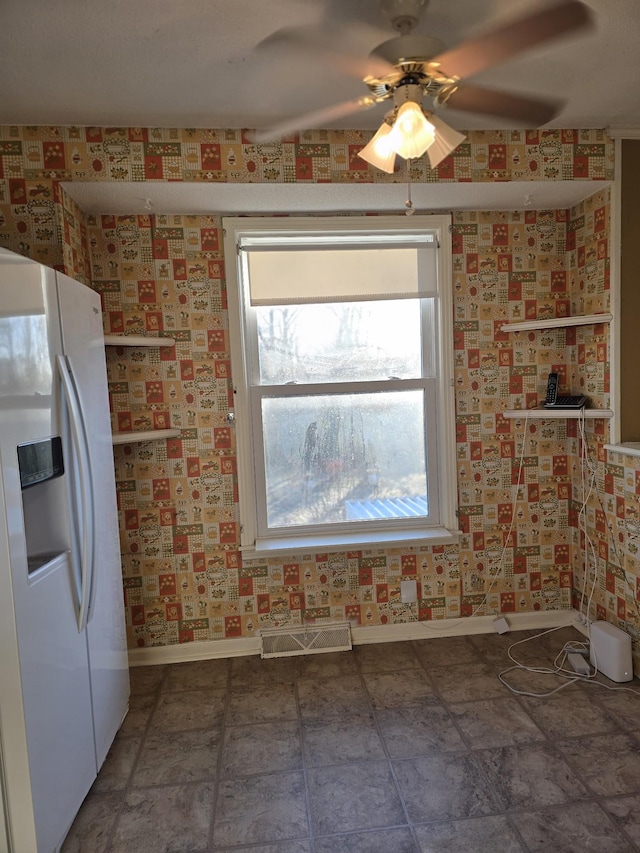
(144, 435)
(541, 412)
(557, 322)
(628, 448)
(138, 341)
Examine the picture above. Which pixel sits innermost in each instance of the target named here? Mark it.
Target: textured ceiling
(194, 64)
(166, 63)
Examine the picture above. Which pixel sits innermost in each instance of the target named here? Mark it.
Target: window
(341, 347)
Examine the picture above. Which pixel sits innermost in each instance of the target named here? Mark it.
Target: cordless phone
(552, 390)
(553, 401)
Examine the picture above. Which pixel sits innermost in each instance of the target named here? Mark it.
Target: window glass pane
(342, 458)
(343, 341)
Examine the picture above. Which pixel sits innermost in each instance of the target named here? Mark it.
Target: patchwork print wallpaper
(183, 575)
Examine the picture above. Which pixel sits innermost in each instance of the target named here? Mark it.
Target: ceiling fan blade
(344, 50)
(318, 118)
(505, 41)
(477, 99)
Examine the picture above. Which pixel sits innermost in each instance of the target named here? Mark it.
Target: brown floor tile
(330, 698)
(118, 764)
(385, 657)
(466, 682)
(609, 764)
(495, 722)
(252, 670)
(398, 689)
(262, 704)
(166, 820)
(560, 717)
(179, 758)
(412, 747)
(261, 809)
(530, 775)
(276, 847)
(193, 709)
(196, 675)
(397, 840)
(353, 797)
(446, 786)
(341, 741)
(327, 665)
(93, 825)
(623, 705)
(141, 707)
(625, 813)
(491, 834)
(146, 679)
(537, 685)
(445, 651)
(572, 827)
(493, 648)
(419, 730)
(263, 748)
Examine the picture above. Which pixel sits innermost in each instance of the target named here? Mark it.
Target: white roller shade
(280, 275)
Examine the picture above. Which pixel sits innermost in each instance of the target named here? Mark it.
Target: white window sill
(349, 542)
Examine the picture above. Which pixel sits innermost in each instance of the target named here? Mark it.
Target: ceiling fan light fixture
(446, 141)
(379, 151)
(412, 132)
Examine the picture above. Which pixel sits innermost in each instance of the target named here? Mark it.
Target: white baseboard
(203, 650)
(211, 649)
(461, 627)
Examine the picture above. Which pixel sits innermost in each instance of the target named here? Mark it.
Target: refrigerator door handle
(85, 510)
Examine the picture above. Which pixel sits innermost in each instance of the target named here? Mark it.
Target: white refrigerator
(64, 682)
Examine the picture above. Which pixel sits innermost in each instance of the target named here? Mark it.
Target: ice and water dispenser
(44, 501)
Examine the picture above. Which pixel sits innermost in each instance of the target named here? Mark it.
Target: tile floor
(412, 747)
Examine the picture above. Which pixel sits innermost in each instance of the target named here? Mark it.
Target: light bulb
(412, 132)
(379, 150)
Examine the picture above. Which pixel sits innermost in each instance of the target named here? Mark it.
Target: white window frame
(251, 480)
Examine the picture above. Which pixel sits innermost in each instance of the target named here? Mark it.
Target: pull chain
(410, 209)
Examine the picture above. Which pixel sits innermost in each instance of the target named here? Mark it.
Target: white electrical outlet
(409, 591)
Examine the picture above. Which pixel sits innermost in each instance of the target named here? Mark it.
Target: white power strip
(578, 663)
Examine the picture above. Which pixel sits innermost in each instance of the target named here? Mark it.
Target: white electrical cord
(588, 477)
(618, 562)
(494, 574)
(587, 491)
(558, 668)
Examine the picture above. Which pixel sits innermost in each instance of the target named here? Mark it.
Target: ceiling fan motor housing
(407, 90)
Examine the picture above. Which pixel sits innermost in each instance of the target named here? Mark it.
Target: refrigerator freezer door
(57, 700)
(83, 346)
(47, 729)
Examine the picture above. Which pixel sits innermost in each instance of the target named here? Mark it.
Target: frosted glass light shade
(379, 150)
(447, 140)
(412, 131)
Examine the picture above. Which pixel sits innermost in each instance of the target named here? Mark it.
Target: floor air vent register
(305, 640)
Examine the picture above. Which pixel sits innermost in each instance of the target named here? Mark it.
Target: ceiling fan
(409, 67)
